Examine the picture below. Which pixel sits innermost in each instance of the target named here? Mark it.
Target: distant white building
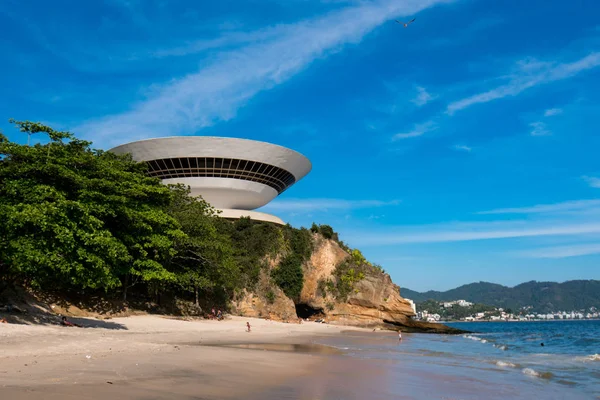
(461, 303)
(412, 305)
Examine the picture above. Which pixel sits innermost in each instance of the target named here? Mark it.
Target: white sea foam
(501, 346)
(531, 372)
(593, 357)
(537, 374)
(473, 338)
(506, 364)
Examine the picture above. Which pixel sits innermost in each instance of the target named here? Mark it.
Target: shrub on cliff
(289, 276)
(327, 231)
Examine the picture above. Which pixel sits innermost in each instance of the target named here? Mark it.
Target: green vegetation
(270, 296)
(542, 297)
(347, 274)
(71, 216)
(289, 276)
(78, 220)
(325, 230)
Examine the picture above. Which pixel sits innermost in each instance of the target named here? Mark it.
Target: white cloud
(418, 130)
(459, 147)
(216, 91)
(539, 129)
(576, 220)
(295, 205)
(592, 181)
(423, 97)
(567, 206)
(552, 112)
(562, 251)
(461, 232)
(530, 73)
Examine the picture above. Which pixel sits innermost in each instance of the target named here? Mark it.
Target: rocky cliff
(339, 287)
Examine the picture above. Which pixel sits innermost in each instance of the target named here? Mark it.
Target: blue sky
(462, 148)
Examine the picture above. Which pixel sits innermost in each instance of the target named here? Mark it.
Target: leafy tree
(252, 242)
(326, 231)
(300, 242)
(204, 262)
(71, 216)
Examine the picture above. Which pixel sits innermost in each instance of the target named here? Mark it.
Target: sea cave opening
(305, 311)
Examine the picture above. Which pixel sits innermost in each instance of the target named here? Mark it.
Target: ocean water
(502, 360)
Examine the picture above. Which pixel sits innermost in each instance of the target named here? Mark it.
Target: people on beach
(399, 336)
(213, 313)
(247, 326)
(219, 315)
(64, 322)
(3, 321)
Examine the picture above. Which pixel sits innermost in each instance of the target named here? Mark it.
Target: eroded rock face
(326, 255)
(258, 305)
(374, 302)
(376, 299)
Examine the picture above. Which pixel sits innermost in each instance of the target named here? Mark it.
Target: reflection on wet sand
(288, 347)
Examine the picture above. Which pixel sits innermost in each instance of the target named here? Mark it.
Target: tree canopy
(77, 219)
(71, 215)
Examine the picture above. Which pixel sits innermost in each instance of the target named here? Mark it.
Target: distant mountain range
(542, 296)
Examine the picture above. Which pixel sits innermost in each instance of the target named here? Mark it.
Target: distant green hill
(542, 296)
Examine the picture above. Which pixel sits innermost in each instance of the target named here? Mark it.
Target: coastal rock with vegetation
(87, 231)
(334, 283)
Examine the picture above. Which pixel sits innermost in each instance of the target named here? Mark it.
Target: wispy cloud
(462, 232)
(529, 74)
(562, 251)
(459, 147)
(592, 181)
(552, 112)
(539, 128)
(576, 221)
(220, 88)
(296, 205)
(423, 97)
(418, 130)
(566, 206)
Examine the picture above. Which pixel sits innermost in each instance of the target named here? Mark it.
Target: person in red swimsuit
(64, 322)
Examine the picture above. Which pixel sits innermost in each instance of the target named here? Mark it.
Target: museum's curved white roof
(209, 146)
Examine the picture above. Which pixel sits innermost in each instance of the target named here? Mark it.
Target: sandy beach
(153, 357)
(146, 357)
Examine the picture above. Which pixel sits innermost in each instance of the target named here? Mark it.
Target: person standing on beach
(399, 336)
(248, 326)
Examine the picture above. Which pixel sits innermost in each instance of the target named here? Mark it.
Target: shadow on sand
(24, 309)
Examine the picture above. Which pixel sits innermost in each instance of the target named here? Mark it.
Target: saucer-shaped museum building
(235, 176)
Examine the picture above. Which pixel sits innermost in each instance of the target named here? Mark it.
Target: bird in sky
(405, 24)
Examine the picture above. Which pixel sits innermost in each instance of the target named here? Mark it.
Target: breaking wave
(534, 373)
(506, 364)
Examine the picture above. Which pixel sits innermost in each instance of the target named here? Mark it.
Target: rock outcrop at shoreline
(373, 301)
